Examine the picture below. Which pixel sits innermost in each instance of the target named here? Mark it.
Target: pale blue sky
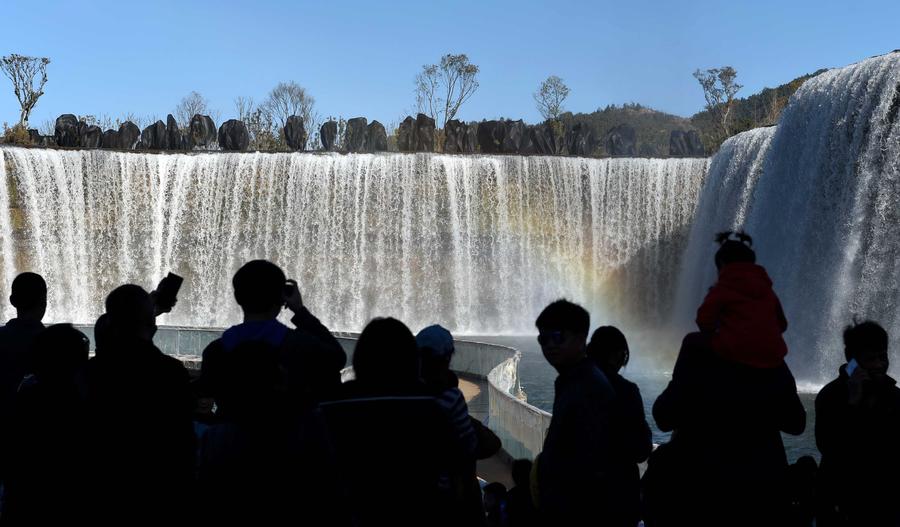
(359, 58)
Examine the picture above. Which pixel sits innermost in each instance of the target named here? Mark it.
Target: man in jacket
(309, 355)
(857, 426)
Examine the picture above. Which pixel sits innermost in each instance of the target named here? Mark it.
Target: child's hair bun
(739, 236)
(734, 247)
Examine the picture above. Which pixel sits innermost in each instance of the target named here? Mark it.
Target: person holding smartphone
(857, 427)
(310, 356)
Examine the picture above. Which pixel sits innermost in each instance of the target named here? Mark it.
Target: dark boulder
(648, 150)
(66, 132)
(546, 140)
(233, 136)
(406, 135)
(621, 140)
(89, 136)
(154, 136)
(355, 134)
(490, 136)
(376, 137)
(295, 133)
(515, 132)
(129, 134)
(685, 143)
(174, 137)
(36, 139)
(580, 140)
(424, 133)
(110, 139)
(470, 140)
(327, 134)
(202, 132)
(526, 146)
(454, 137)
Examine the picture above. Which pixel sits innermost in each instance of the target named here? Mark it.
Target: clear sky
(359, 58)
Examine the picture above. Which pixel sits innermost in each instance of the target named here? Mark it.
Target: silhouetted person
(140, 405)
(46, 439)
(102, 337)
(857, 429)
(396, 446)
(310, 355)
(476, 440)
(726, 457)
(495, 504)
(631, 438)
(803, 488)
(520, 507)
(386, 361)
(437, 349)
(741, 315)
(29, 297)
(574, 466)
(268, 460)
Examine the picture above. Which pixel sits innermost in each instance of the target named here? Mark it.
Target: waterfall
(725, 201)
(478, 243)
(820, 194)
(7, 254)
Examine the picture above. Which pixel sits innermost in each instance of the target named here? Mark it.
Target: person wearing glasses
(574, 466)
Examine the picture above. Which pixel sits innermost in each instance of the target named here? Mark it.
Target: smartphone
(167, 290)
(851, 366)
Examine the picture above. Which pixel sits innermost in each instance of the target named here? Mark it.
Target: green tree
(441, 89)
(719, 88)
(550, 97)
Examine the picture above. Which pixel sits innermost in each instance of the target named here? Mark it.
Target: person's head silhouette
(608, 349)
(386, 354)
(259, 288)
(562, 332)
(867, 344)
(734, 247)
(59, 352)
(29, 296)
(130, 314)
(436, 351)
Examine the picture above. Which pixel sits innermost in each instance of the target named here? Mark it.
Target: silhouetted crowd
(266, 431)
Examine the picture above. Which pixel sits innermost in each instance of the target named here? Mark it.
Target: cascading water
(726, 199)
(821, 196)
(477, 243)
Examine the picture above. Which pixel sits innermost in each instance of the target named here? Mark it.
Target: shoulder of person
(172, 365)
(626, 387)
(213, 347)
(836, 389)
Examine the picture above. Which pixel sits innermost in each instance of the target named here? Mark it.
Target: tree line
(441, 90)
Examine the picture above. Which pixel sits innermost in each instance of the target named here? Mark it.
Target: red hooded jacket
(744, 317)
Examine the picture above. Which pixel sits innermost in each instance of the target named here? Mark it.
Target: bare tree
(48, 127)
(263, 135)
(550, 97)
(191, 105)
(28, 75)
(140, 122)
(441, 89)
(287, 99)
(244, 106)
(719, 89)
